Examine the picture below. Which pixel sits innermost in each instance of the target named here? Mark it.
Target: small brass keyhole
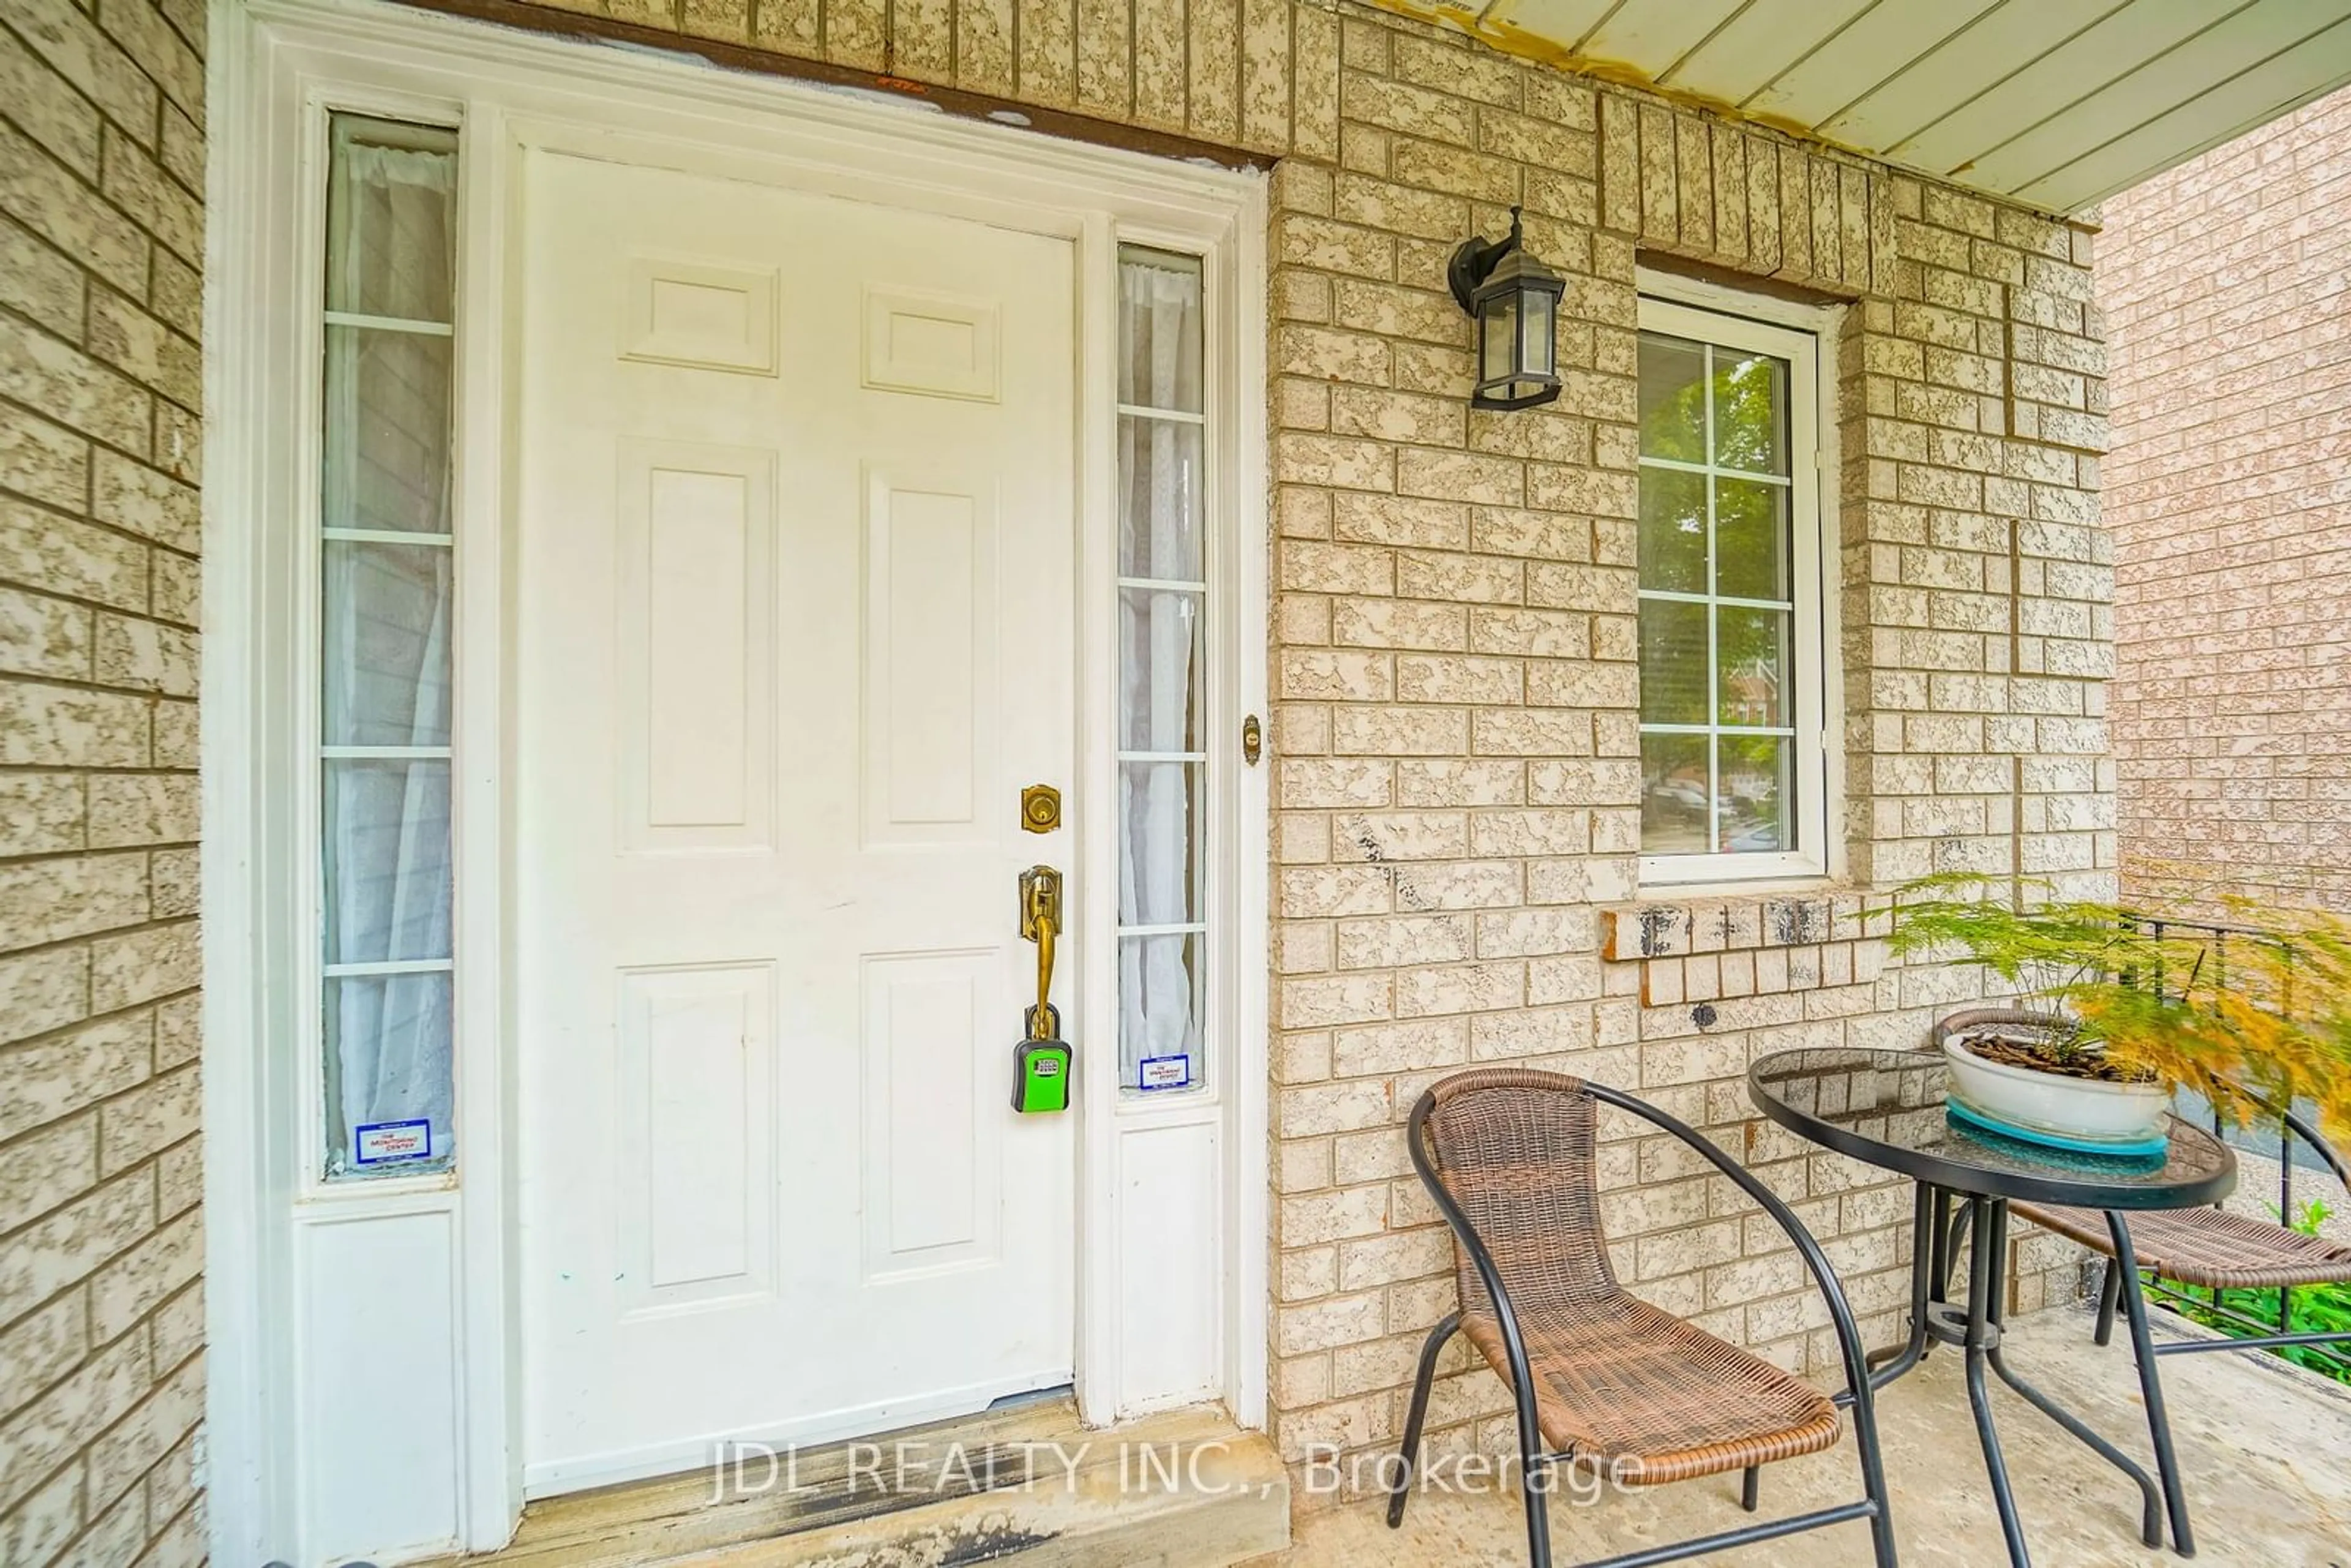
(1041, 808)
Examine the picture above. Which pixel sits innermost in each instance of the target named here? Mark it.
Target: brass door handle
(1041, 921)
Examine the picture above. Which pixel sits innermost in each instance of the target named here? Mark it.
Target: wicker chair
(2217, 1249)
(1600, 1378)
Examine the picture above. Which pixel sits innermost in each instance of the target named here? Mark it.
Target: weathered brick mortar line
(91, 682)
(83, 602)
(136, 928)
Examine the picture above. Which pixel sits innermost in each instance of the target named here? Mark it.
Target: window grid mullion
(410, 325)
(388, 537)
(1779, 729)
(1676, 596)
(384, 753)
(1678, 466)
(1173, 415)
(379, 967)
(1713, 625)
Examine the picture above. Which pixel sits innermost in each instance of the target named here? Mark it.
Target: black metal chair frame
(2121, 1288)
(1536, 1464)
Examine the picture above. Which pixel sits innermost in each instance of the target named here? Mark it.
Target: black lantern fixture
(1514, 299)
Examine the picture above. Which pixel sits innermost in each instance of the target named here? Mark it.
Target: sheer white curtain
(388, 877)
(388, 607)
(394, 220)
(1161, 463)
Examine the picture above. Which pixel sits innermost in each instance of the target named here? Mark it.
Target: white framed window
(1163, 572)
(1735, 644)
(386, 625)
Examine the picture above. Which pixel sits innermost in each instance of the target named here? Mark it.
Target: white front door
(793, 592)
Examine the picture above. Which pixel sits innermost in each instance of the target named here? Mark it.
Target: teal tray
(2138, 1149)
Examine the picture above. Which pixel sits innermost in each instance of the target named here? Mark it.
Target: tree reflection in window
(1718, 611)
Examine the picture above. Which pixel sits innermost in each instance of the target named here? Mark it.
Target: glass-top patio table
(1886, 1108)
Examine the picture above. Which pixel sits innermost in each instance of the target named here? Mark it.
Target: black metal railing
(2297, 1141)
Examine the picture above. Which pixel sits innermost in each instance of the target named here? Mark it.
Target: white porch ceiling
(2054, 103)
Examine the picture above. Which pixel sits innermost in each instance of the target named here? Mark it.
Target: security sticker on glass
(391, 1143)
(1164, 1073)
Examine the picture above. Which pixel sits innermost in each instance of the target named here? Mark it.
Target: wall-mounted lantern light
(1514, 299)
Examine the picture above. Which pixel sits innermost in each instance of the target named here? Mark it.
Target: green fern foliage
(2265, 1008)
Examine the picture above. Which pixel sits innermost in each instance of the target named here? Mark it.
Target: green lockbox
(1041, 1076)
(1041, 1072)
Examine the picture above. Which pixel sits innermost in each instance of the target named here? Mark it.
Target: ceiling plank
(2279, 84)
(2011, 35)
(2054, 102)
(1652, 35)
(1879, 44)
(1760, 43)
(1561, 22)
(2089, 61)
(2238, 44)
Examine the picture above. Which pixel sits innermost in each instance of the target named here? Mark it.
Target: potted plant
(2114, 1013)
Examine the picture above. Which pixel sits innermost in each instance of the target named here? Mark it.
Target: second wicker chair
(2220, 1251)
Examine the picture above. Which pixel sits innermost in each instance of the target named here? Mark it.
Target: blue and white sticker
(391, 1143)
(1166, 1072)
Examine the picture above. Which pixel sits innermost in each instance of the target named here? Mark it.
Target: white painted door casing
(294, 1348)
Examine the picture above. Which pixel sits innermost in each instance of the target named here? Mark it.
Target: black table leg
(2150, 1385)
(1987, 1240)
(1981, 1334)
(2151, 1512)
(1926, 1221)
(1947, 1238)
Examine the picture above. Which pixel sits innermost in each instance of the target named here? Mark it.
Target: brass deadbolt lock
(1041, 808)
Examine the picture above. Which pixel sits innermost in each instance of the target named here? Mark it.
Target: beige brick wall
(2222, 283)
(1457, 788)
(102, 1315)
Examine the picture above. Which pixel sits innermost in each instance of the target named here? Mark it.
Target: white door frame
(276, 1329)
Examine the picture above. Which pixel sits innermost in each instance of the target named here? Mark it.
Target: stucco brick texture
(1454, 756)
(1457, 788)
(2223, 284)
(102, 1244)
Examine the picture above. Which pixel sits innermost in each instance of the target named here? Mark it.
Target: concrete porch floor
(2267, 1450)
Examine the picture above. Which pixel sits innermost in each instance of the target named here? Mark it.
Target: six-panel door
(793, 594)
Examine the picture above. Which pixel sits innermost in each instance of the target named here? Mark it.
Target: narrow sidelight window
(1163, 588)
(386, 612)
(1733, 768)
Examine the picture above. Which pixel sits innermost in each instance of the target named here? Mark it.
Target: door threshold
(1186, 1490)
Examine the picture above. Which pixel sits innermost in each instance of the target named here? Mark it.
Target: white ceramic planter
(2085, 1108)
